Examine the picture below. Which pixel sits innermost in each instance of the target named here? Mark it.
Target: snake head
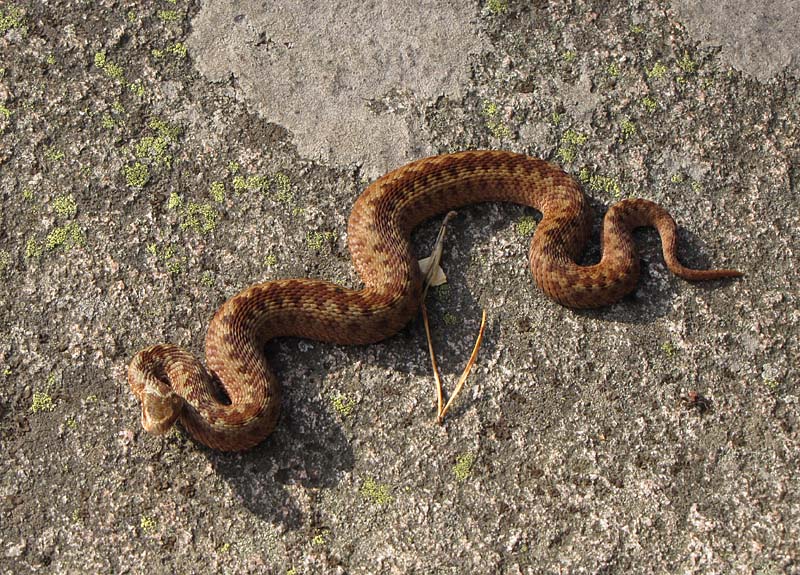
(160, 407)
(150, 375)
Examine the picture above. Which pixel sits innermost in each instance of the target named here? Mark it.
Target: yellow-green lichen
(566, 154)
(658, 71)
(569, 56)
(496, 7)
(207, 279)
(5, 260)
(165, 130)
(555, 118)
(526, 225)
(571, 140)
(772, 384)
(174, 202)
(636, 28)
(33, 249)
(686, 64)
(379, 493)
(255, 183)
(451, 319)
(650, 104)
(107, 121)
(54, 154)
(77, 516)
(612, 70)
(677, 178)
(343, 404)
(463, 467)
(137, 175)
(316, 240)
(491, 112)
(12, 17)
(148, 524)
(668, 348)
(42, 401)
(200, 217)
(110, 68)
(155, 149)
(627, 128)
(283, 188)
(5, 112)
(320, 538)
(65, 206)
(174, 264)
(169, 256)
(71, 423)
(178, 49)
(270, 260)
(137, 88)
(600, 183)
(168, 15)
(233, 167)
(65, 237)
(217, 191)
(697, 187)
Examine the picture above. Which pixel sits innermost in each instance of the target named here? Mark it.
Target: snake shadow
(308, 449)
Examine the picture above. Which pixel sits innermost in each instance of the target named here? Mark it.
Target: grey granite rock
(156, 157)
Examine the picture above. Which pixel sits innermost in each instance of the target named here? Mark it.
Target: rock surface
(158, 156)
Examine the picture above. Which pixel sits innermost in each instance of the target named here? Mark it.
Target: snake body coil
(172, 384)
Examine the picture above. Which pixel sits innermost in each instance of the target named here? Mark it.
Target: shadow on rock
(308, 449)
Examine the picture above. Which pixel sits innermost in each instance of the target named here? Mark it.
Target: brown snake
(172, 384)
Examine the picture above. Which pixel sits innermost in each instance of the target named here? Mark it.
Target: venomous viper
(172, 384)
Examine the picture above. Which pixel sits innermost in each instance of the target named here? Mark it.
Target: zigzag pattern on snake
(171, 384)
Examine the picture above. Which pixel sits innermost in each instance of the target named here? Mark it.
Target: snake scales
(172, 384)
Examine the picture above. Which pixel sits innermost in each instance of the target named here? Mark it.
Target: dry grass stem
(461, 380)
(432, 264)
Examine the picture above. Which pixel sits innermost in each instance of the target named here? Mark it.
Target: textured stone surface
(340, 75)
(759, 38)
(136, 196)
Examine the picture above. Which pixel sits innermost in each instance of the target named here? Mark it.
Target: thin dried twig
(461, 380)
(433, 266)
(436, 256)
(436, 375)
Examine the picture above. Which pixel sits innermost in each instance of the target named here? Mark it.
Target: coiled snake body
(172, 384)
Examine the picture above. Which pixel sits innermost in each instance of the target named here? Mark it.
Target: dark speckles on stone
(604, 469)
